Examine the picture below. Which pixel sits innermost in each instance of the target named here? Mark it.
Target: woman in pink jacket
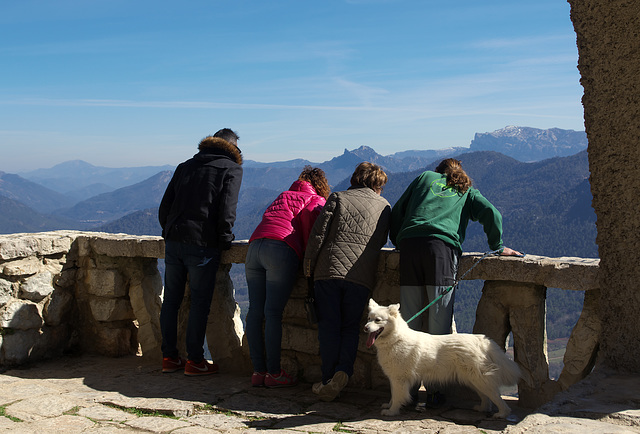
(275, 249)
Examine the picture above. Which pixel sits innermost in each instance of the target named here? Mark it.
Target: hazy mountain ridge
(263, 181)
(17, 217)
(298, 162)
(31, 194)
(72, 177)
(429, 154)
(113, 205)
(143, 222)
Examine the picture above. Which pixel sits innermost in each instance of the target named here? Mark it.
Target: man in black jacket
(197, 213)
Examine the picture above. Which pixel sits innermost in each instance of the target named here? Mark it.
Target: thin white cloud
(364, 93)
(502, 43)
(366, 2)
(121, 44)
(179, 105)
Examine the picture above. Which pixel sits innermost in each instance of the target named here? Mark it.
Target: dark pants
(339, 305)
(200, 264)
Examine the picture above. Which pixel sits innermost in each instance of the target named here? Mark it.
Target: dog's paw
(388, 412)
(482, 408)
(385, 405)
(502, 414)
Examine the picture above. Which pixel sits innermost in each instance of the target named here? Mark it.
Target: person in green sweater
(428, 226)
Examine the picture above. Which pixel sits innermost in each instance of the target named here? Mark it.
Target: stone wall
(608, 39)
(101, 293)
(36, 298)
(70, 291)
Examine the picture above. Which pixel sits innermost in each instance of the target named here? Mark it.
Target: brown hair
(369, 175)
(315, 176)
(456, 176)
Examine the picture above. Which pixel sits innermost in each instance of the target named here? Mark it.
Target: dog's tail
(511, 373)
(508, 370)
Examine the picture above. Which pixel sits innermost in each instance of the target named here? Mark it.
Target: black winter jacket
(199, 205)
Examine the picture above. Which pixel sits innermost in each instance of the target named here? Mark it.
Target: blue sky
(136, 83)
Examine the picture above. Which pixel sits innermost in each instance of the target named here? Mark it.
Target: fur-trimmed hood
(220, 146)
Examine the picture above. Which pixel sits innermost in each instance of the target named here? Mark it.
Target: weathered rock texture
(101, 293)
(608, 38)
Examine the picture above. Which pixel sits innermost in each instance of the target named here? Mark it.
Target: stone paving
(120, 395)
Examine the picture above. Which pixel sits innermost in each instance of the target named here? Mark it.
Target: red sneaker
(169, 364)
(193, 369)
(282, 380)
(257, 379)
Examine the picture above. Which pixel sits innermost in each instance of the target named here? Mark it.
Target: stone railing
(100, 293)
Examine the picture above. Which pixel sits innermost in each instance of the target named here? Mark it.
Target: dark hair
(315, 176)
(369, 175)
(456, 176)
(228, 135)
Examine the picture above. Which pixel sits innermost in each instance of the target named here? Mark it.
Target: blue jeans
(200, 264)
(339, 305)
(271, 268)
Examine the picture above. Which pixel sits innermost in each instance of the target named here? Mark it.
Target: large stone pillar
(608, 38)
(519, 308)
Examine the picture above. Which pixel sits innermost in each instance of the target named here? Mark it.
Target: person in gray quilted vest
(342, 257)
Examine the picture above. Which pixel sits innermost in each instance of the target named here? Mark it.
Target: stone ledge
(565, 272)
(16, 246)
(121, 245)
(571, 273)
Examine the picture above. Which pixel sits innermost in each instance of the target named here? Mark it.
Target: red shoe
(257, 379)
(193, 369)
(282, 380)
(169, 364)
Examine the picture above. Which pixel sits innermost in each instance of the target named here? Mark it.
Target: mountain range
(525, 192)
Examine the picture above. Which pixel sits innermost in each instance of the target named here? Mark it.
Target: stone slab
(14, 246)
(66, 424)
(156, 424)
(169, 406)
(104, 413)
(18, 390)
(307, 423)
(563, 272)
(542, 424)
(218, 421)
(41, 407)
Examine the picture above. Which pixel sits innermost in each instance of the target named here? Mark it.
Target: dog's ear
(372, 304)
(394, 309)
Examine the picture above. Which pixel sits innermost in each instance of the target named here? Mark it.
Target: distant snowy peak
(525, 133)
(364, 152)
(531, 144)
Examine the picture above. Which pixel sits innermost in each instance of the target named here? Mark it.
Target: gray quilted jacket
(347, 237)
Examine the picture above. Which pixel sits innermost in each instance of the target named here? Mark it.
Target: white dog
(407, 357)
